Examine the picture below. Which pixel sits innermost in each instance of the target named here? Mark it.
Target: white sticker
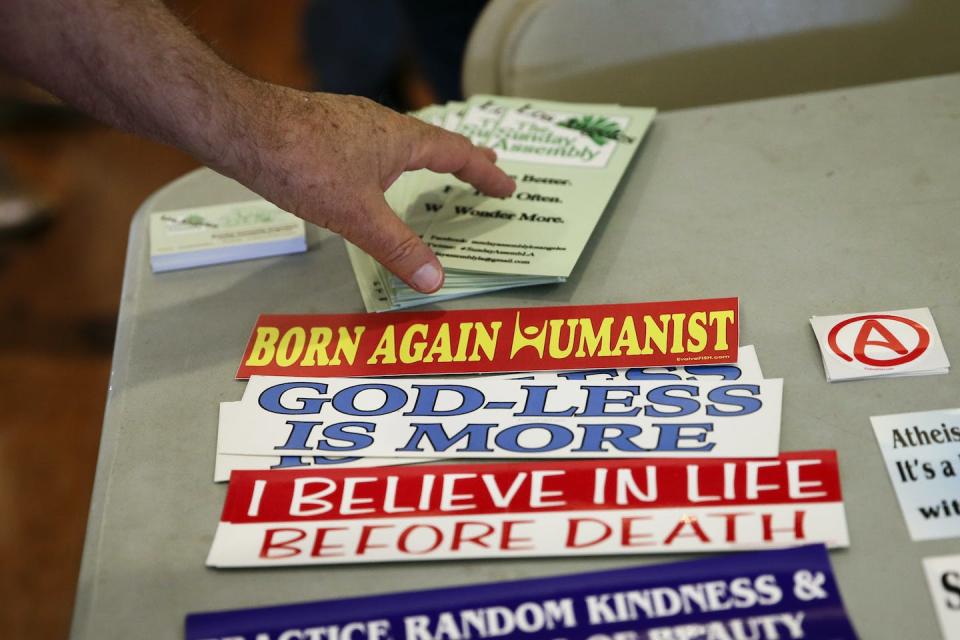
(498, 418)
(879, 344)
(524, 509)
(922, 454)
(747, 367)
(943, 578)
(227, 463)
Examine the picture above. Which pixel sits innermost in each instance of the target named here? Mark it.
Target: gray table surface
(817, 204)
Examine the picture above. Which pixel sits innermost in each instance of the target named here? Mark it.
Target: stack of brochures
(567, 160)
(200, 236)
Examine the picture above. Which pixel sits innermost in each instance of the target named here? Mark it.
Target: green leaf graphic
(600, 129)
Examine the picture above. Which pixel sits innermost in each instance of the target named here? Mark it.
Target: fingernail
(427, 278)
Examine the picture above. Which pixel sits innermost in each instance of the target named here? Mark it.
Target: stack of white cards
(567, 160)
(880, 344)
(200, 236)
(296, 423)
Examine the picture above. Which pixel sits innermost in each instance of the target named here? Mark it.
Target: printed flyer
(922, 454)
(760, 595)
(567, 160)
(525, 509)
(494, 340)
(505, 418)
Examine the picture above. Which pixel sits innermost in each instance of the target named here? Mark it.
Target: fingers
(446, 152)
(490, 153)
(394, 245)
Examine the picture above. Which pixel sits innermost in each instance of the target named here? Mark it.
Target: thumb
(394, 245)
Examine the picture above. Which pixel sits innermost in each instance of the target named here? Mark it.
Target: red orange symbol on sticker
(884, 335)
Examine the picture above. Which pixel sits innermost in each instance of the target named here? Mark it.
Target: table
(835, 202)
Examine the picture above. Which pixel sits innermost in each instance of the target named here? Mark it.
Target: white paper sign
(922, 454)
(498, 418)
(943, 578)
(880, 344)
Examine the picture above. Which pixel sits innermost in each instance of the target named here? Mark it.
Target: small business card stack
(567, 160)
(201, 236)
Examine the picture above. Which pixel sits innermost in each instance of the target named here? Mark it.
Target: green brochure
(567, 161)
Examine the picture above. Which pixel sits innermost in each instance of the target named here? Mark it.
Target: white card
(876, 344)
(943, 578)
(922, 455)
(199, 236)
(499, 418)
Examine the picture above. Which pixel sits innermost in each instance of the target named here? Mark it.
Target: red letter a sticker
(863, 340)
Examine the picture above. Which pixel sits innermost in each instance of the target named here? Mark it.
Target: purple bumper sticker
(782, 594)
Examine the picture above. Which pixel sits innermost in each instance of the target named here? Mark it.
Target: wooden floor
(59, 295)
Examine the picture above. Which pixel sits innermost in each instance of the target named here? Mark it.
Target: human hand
(329, 158)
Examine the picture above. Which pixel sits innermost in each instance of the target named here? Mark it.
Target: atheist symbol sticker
(879, 340)
(880, 343)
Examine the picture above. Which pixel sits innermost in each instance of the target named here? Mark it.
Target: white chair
(682, 53)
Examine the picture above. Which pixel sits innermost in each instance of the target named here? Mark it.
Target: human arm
(132, 64)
